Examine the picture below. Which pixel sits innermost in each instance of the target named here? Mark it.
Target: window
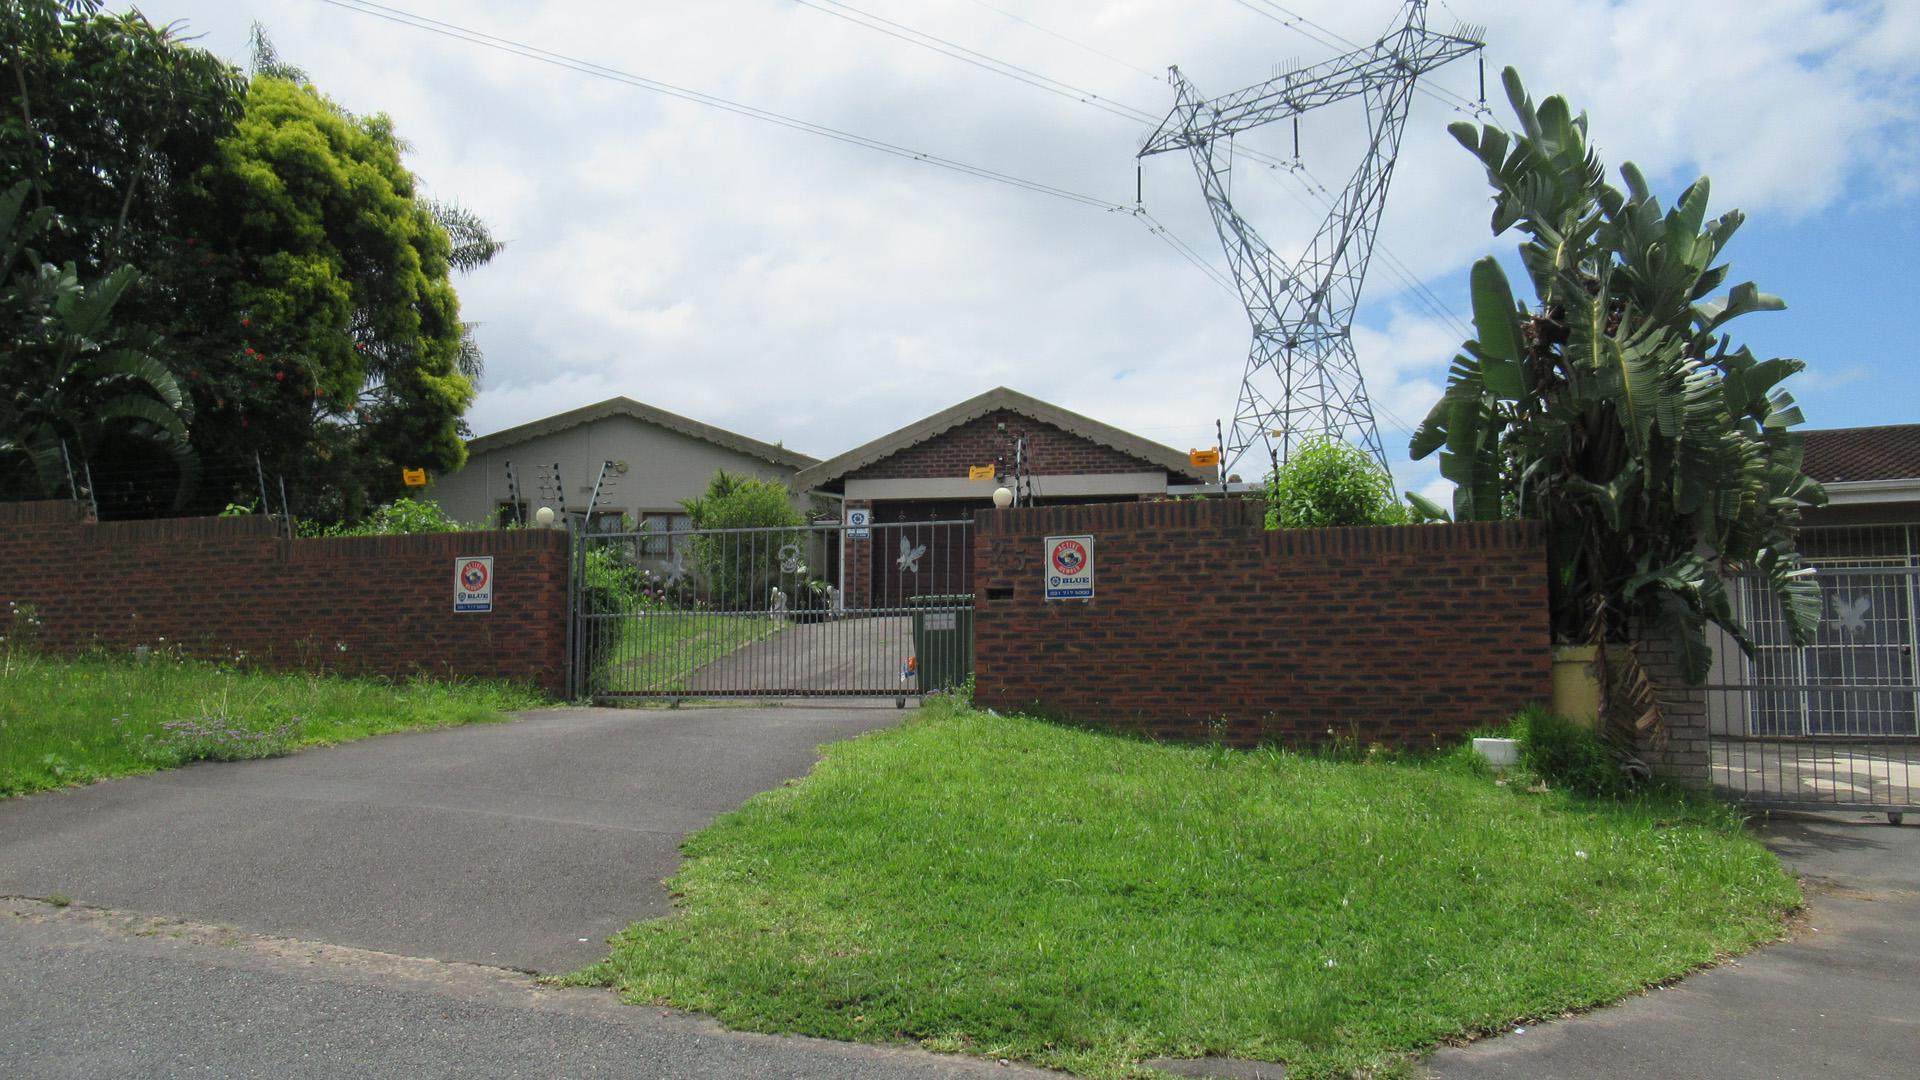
(511, 513)
(666, 533)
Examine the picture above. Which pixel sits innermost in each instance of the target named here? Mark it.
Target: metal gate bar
(818, 610)
(1832, 724)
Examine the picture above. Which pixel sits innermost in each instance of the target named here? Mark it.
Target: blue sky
(798, 289)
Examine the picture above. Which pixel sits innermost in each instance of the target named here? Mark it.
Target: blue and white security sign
(858, 522)
(1068, 567)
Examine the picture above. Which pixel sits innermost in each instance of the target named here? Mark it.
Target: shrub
(1569, 756)
(1329, 483)
(739, 570)
(401, 517)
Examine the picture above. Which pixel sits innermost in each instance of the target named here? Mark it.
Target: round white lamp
(1002, 497)
(544, 517)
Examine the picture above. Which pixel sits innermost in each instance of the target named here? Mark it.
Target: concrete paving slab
(519, 845)
(1841, 999)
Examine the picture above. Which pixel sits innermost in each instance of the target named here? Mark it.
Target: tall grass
(67, 721)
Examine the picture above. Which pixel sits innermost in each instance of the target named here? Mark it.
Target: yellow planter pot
(1576, 684)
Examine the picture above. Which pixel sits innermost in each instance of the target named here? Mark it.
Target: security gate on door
(821, 610)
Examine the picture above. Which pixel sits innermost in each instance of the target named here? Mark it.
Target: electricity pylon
(1302, 379)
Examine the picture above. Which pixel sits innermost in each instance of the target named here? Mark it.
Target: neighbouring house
(926, 472)
(1859, 676)
(645, 461)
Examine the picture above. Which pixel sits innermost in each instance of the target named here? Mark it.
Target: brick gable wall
(214, 587)
(1050, 451)
(1204, 624)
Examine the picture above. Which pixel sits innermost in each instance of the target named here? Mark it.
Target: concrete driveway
(1841, 999)
(520, 845)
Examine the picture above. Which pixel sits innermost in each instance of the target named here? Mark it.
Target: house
(948, 465)
(644, 461)
(1858, 676)
(1872, 476)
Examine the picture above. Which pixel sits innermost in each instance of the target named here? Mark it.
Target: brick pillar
(856, 582)
(1678, 750)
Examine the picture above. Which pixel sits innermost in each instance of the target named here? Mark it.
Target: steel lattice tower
(1302, 379)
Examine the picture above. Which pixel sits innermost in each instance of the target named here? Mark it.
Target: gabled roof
(625, 406)
(1850, 455)
(999, 397)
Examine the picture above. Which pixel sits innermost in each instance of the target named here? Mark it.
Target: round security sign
(474, 575)
(1069, 557)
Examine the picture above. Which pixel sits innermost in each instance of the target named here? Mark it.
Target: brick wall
(1678, 747)
(215, 587)
(1050, 451)
(1203, 623)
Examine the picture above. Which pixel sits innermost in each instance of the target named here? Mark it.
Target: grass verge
(68, 721)
(1006, 887)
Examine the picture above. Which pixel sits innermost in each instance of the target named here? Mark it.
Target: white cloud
(799, 289)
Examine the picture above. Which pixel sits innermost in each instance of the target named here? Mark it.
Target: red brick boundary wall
(1203, 623)
(217, 587)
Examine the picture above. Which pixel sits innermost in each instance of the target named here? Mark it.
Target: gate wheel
(1895, 817)
(901, 703)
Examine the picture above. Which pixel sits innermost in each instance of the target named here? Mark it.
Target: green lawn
(1006, 887)
(655, 651)
(68, 721)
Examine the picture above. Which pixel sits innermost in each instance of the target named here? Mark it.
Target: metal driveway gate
(1833, 724)
(820, 610)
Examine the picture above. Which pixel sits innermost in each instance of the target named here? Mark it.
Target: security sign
(858, 524)
(1069, 567)
(473, 583)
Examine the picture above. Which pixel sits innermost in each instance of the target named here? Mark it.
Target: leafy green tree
(1328, 483)
(1616, 409)
(70, 384)
(738, 569)
(293, 276)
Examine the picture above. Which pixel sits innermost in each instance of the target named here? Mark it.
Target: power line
(1071, 41)
(530, 52)
(978, 59)
(1326, 38)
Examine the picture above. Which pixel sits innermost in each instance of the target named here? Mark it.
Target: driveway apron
(520, 845)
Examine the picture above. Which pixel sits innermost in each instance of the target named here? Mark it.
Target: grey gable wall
(663, 467)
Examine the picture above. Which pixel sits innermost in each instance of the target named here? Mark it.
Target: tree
(70, 384)
(739, 568)
(1616, 409)
(1329, 483)
(293, 277)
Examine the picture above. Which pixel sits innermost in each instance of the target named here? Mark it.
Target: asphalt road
(1842, 999)
(87, 994)
(520, 845)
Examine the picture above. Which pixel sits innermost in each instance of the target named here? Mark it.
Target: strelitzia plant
(1615, 408)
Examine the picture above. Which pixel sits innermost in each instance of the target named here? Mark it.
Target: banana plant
(1616, 409)
(67, 382)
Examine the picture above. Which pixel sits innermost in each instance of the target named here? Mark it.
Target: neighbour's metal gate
(1833, 724)
(818, 610)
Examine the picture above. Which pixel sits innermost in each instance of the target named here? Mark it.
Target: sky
(802, 290)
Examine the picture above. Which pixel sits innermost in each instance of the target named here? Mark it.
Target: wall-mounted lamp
(1002, 497)
(543, 517)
